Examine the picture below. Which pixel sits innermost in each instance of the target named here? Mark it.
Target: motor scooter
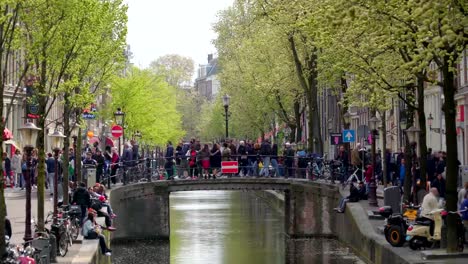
(425, 232)
(397, 224)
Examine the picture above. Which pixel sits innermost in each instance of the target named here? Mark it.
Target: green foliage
(149, 104)
(256, 70)
(178, 70)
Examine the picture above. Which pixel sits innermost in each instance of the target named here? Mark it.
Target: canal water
(224, 227)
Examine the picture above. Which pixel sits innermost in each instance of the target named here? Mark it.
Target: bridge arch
(143, 208)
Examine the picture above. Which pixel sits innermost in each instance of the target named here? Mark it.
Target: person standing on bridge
(243, 162)
(205, 160)
(169, 161)
(265, 152)
(215, 160)
(289, 160)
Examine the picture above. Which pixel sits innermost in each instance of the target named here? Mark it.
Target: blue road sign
(349, 136)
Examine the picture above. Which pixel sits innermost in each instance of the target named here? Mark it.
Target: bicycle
(319, 172)
(351, 178)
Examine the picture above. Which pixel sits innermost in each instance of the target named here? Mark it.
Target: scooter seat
(423, 221)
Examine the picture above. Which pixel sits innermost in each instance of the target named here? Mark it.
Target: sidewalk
(15, 200)
(411, 255)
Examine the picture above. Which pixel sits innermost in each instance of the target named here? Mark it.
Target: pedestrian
(243, 158)
(402, 174)
(353, 197)
(265, 152)
(439, 183)
(50, 167)
(226, 153)
(168, 165)
(82, 198)
(178, 159)
(114, 165)
(92, 231)
(192, 154)
(274, 160)
(16, 168)
(215, 159)
(127, 160)
(205, 160)
(289, 160)
(100, 161)
(461, 193)
(343, 158)
(6, 164)
(464, 213)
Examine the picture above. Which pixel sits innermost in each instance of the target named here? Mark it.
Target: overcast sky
(160, 27)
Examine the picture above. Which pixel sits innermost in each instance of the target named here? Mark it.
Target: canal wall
(351, 228)
(143, 211)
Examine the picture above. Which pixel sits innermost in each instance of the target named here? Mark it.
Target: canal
(211, 227)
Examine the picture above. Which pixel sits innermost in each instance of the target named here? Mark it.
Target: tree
(138, 90)
(58, 34)
(178, 70)
(256, 71)
(9, 35)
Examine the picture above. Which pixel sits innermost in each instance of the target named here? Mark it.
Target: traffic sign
(349, 136)
(336, 138)
(117, 131)
(229, 167)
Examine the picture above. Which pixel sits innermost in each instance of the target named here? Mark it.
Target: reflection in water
(229, 227)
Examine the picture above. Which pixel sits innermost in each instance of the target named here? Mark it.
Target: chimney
(210, 57)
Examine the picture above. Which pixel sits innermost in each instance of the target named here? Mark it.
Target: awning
(93, 140)
(109, 142)
(7, 134)
(11, 142)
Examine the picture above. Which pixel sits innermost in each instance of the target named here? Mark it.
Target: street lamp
(373, 124)
(226, 99)
(57, 140)
(347, 120)
(119, 120)
(119, 116)
(412, 134)
(29, 135)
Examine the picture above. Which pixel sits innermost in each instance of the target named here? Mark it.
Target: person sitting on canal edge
(353, 197)
(92, 231)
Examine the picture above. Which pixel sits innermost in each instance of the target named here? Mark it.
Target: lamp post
(119, 120)
(226, 99)
(29, 135)
(57, 141)
(373, 122)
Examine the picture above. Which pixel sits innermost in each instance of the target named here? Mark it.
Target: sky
(160, 27)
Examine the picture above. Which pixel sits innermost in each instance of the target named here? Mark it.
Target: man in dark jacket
(81, 198)
(99, 158)
(265, 152)
(242, 158)
(352, 198)
(169, 160)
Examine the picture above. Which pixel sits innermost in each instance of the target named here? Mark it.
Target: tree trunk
(384, 149)
(78, 155)
(315, 137)
(41, 170)
(422, 134)
(297, 119)
(66, 147)
(408, 159)
(449, 109)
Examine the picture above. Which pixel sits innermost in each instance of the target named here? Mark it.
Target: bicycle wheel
(75, 228)
(63, 244)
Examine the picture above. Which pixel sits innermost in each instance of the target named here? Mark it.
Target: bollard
(443, 235)
(53, 248)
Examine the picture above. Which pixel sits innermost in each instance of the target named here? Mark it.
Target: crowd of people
(196, 160)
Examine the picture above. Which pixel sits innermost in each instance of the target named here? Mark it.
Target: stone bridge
(143, 208)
